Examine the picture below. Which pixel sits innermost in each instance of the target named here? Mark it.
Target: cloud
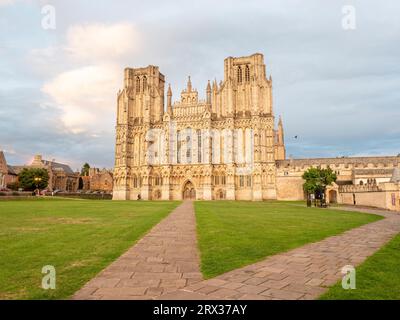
(100, 41)
(86, 96)
(6, 2)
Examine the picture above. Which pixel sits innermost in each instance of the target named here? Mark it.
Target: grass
(78, 237)
(233, 234)
(378, 278)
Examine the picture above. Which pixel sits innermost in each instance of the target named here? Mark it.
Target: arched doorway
(189, 192)
(332, 196)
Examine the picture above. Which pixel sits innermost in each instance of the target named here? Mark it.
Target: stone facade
(98, 180)
(7, 175)
(61, 176)
(367, 181)
(223, 147)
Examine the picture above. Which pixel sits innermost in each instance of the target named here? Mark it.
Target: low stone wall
(89, 196)
(386, 196)
(14, 194)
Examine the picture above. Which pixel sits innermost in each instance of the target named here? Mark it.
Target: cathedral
(223, 147)
(226, 146)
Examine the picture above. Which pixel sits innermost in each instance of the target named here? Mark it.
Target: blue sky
(336, 89)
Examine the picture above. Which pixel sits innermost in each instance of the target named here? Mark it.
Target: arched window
(223, 180)
(199, 146)
(361, 183)
(178, 149)
(137, 84)
(247, 74)
(135, 182)
(249, 181)
(144, 83)
(241, 181)
(239, 75)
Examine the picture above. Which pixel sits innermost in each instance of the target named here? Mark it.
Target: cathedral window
(247, 74)
(144, 83)
(223, 180)
(135, 182)
(178, 149)
(216, 180)
(199, 146)
(239, 75)
(137, 84)
(241, 181)
(249, 181)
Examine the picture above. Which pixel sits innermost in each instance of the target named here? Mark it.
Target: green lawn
(233, 234)
(377, 278)
(78, 237)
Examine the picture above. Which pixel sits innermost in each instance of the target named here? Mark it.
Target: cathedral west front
(226, 146)
(223, 147)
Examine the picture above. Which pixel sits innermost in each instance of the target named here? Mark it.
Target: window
(223, 180)
(241, 181)
(199, 146)
(144, 83)
(135, 182)
(239, 75)
(249, 181)
(247, 74)
(216, 180)
(178, 149)
(137, 84)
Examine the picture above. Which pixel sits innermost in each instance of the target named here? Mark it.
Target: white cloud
(86, 96)
(101, 42)
(6, 2)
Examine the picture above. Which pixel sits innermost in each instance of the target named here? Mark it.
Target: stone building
(226, 146)
(98, 180)
(223, 147)
(7, 174)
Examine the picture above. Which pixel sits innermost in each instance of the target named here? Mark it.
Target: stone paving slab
(165, 265)
(300, 274)
(164, 260)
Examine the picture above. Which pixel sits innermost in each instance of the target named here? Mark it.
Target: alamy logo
(349, 278)
(49, 280)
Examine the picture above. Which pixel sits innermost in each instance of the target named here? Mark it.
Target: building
(223, 147)
(61, 176)
(7, 174)
(98, 180)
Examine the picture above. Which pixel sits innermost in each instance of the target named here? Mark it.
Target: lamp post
(37, 181)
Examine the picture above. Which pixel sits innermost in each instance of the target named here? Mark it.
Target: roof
(58, 166)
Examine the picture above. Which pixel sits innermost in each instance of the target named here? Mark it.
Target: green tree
(85, 169)
(27, 177)
(317, 179)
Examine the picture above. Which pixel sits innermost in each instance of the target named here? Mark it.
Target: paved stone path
(303, 273)
(164, 260)
(165, 265)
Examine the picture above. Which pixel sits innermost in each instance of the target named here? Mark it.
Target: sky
(335, 70)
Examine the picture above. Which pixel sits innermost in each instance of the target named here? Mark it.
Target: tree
(317, 179)
(27, 177)
(85, 169)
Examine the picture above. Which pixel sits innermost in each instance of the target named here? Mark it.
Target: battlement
(341, 163)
